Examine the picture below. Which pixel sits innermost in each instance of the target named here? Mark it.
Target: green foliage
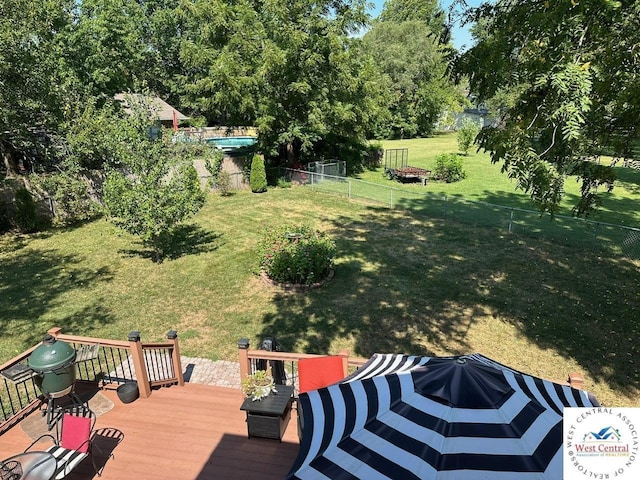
(428, 12)
(213, 163)
(298, 254)
(448, 168)
(106, 59)
(25, 217)
(297, 76)
(151, 190)
(562, 76)
(224, 183)
(70, 192)
(283, 183)
(258, 385)
(36, 87)
(413, 67)
(258, 176)
(466, 134)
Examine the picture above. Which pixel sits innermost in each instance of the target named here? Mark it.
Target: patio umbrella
(462, 418)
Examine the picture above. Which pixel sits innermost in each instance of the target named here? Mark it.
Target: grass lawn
(404, 283)
(485, 182)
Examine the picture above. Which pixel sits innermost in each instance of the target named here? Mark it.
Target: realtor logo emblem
(601, 443)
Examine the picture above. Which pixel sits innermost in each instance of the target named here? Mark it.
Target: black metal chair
(72, 443)
(10, 470)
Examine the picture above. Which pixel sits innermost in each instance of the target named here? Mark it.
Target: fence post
(139, 366)
(172, 336)
(243, 353)
(510, 220)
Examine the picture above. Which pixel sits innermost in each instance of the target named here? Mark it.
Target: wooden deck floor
(194, 432)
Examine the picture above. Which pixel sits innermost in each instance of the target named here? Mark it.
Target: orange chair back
(318, 372)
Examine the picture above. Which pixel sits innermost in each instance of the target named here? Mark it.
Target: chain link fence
(588, 234)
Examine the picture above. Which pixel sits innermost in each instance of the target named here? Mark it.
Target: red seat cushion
(314, 373)
(75, 433)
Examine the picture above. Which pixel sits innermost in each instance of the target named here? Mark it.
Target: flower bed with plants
(296, 254)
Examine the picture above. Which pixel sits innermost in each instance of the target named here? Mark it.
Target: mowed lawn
(484, 181)
(403, 284)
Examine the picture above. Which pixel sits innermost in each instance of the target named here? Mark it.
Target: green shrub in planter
(296, 254)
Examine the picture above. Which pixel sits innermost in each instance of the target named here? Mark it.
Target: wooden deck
(194, 432)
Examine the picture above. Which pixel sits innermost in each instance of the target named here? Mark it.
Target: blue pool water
(231, 143)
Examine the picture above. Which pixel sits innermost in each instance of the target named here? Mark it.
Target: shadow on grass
(406, 283)
(34, 282)
(186, 240)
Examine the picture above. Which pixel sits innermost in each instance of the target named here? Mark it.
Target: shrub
(25, 217)
(283, 183)
(449, 168)
(296, 254)
(71, 196)
(467, 133)
(224, 183)
(258, 176)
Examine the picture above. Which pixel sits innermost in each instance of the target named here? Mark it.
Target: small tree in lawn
(467, 133)
(150, 191)
(258, 176)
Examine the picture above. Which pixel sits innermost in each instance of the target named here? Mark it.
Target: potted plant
(258, 385)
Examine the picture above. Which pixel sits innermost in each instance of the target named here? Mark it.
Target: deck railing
(252, 360)
(109, 363)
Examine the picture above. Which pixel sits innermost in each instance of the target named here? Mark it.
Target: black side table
(269, 417)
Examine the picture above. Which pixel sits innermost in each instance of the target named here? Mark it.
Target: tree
(428, 12)
(288, 67)
(108, 47)
(466, 134)
(568, 75)
(414, 66)
(36, 87)
(258, 175)
(149, 191)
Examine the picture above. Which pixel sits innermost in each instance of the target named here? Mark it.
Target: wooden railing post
(137, 355)
(54, 332)
(576, 380)
(245, 362)
(172, 335)
(345, 361)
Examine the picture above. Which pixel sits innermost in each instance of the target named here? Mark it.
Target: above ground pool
(231, 143)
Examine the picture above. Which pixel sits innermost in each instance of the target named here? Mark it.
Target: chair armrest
(55, 442)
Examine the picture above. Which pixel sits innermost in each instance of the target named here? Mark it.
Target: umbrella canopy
(462, 418)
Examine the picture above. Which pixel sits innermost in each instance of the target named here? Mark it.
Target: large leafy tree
(36, 88)
(427, 12)
(288, 67)
(568, 77)
(108, 45)
(409, 43)
(414, 64)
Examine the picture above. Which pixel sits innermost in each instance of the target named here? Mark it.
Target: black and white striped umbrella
(462, 418)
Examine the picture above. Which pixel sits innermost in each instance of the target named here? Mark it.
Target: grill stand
(54, 412)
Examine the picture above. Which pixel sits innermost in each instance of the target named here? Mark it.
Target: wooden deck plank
(194, 432)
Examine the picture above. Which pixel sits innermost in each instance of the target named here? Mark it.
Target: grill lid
(51, 354)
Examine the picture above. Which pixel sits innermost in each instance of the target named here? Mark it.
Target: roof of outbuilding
(163, 110)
